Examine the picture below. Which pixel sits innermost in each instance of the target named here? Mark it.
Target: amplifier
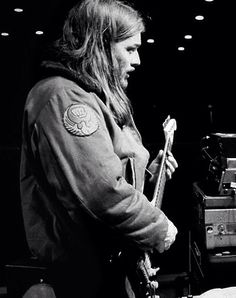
(209, 200)
(212, 239)
(214, 219)
(219, 162)
(220, 228)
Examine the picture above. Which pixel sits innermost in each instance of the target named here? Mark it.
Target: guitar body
(135, 263)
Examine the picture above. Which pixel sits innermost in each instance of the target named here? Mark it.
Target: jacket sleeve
(84, 171)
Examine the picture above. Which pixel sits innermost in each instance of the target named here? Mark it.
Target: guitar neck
(161, 180)
(145, 275)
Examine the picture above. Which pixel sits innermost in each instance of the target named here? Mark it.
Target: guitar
(146, 285)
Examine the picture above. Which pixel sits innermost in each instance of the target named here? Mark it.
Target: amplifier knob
(221, 229)
(209, 229)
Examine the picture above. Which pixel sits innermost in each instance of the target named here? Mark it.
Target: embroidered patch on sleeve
(80, 120)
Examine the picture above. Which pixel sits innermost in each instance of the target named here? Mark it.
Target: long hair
(85, 46)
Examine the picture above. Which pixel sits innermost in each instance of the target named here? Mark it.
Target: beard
(120, 74)
(124, 82)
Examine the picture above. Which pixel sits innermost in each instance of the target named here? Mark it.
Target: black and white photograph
(118, 149)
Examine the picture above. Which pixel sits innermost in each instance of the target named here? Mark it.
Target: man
(83, 162)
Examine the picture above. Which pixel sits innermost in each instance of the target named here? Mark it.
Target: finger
(161, 247)
(168, 173)
(169, 169)
(170, 165)
(159, 155)
(173, 161)
(170, 156)
(167, 246)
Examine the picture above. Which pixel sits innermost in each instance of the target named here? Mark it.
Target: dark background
(195, 86)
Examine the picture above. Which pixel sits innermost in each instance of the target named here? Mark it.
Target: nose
(136, 59)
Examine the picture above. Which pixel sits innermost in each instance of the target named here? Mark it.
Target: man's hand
(169, 239)
(171, 165)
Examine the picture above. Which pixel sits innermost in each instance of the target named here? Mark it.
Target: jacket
(82, 178)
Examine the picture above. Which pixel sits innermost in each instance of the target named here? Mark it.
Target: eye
(131, 50)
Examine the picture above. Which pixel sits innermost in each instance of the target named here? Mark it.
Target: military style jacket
(81, 176)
